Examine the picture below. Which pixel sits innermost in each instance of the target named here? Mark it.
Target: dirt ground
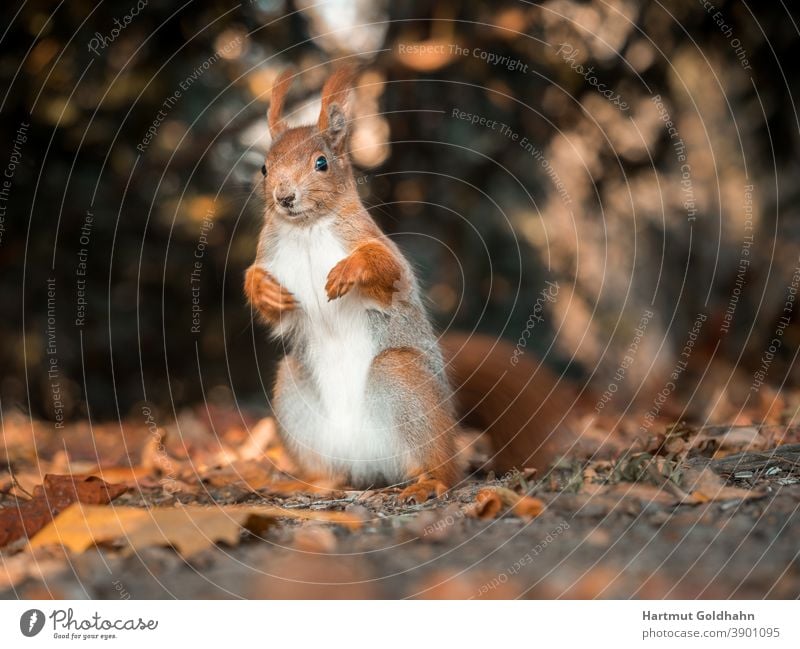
(709, 513)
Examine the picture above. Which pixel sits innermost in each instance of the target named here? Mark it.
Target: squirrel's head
(307, 174)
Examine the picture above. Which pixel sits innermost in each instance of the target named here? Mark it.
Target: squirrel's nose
(286, 200)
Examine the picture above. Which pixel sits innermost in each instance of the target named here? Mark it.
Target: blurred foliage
(477, 212)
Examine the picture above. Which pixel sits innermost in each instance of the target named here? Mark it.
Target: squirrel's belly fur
(327, 411)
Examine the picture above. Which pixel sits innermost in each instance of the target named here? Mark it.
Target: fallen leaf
(487, 504)
(528, 507)
(188, 529)
(90, 490)
(57, 493)
(23, 520)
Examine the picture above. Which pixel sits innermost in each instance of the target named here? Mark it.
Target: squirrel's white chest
(338, 348)
(301, 261)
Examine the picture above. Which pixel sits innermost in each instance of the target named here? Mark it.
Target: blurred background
(607, 182)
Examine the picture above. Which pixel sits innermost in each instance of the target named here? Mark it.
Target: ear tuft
(337, 126)
(333, 112)
(275, 114)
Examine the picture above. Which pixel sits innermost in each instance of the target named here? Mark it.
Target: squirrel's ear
(333, 113)
(275, 113)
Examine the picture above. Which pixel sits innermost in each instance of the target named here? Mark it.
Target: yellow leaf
(189, 529)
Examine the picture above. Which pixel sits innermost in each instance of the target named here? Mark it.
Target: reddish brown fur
(331, 191)
(403, 369)
(523, 408)
(266, 295)
(335, 91)
(279, 90)
(372, 268)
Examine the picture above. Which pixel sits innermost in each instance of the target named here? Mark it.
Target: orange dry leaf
(188, 529)
(528, 507)
(487, 504)
(523, 506)
(490, 501)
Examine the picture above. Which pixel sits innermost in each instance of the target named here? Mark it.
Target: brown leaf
(490, 501)
(56, 494)
(90, 490)
(528, 507)
(523, 506)
(188, 529)
(487, 504)
(23, 520)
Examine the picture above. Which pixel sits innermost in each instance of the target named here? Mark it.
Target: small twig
(16, 485)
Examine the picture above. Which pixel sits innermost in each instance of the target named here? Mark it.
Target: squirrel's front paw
(347, 273)
(266, 294)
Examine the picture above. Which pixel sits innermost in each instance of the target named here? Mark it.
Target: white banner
(228, 624)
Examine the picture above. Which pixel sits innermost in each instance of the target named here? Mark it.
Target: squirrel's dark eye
(321, 164)
(264, 170)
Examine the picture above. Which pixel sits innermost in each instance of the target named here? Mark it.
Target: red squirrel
(362, 394)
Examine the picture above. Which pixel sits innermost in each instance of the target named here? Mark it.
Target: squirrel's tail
(520, 404)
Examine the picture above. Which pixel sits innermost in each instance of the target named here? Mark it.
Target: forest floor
(207, 508)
